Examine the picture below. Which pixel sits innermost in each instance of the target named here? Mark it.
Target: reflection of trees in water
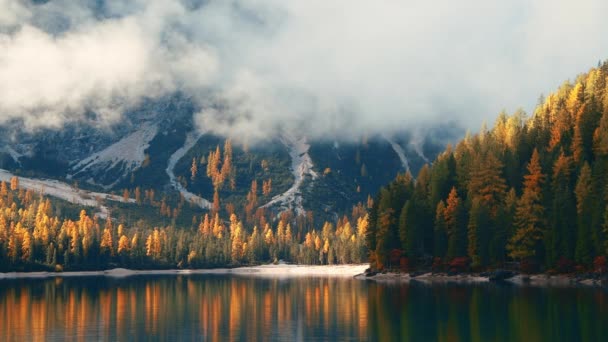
(211, 307)
(486, 313)
(248, 308)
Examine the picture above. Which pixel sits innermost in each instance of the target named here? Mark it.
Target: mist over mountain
(253, 67)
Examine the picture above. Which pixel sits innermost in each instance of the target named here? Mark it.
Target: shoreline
(534, 280)
(281, 271)
(353, 271)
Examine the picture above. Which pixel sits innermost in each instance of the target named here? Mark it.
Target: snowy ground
(282, 271)
(129, 151)
(191, 140)
(65, 192)
(301, 166)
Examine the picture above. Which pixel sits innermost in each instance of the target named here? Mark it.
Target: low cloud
(256, 67)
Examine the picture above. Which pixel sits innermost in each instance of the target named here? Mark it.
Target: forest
(531, 192)
(34, 237)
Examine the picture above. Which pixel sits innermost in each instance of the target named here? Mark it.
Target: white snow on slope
(399, 150)
(65, 192)
(14, 154)
(191, 140)
(301, 166)
(417, 143)
(130, 150)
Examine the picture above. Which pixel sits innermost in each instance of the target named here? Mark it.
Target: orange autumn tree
(529, 216)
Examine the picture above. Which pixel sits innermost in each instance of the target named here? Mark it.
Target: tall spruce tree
(529, 214)
(583, 209)
(456, 226)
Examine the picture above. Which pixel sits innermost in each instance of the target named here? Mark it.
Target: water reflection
(220, 308)
(208, 307)
(487, 313)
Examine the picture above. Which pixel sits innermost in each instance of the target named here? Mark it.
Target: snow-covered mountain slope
(191, 140)
(11, 152)
(302, 167)
(400, 152)
(65, 192)
(122, 157)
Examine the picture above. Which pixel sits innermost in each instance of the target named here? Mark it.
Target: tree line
(32, 237)
(531, 190)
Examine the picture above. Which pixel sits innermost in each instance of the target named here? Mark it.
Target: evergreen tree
(479, 233)
(487, 183)
(529, 215)
(454, 219)
(372, 230)
(560, 235)
(583, 209)
(440, 231)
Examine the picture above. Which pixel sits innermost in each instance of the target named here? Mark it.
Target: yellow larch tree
(193, 169)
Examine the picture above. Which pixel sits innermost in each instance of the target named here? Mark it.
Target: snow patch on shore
(65, 192)
(282, 271)
(301, 166)
(191, 140)
(302, 270)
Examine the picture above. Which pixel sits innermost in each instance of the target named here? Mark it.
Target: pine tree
(560, 234)
(383, 243)
(193, 169)
(487, 183)
(442, 177)
(478, 232)
(583, 193)
(455, 224)
(600, 135)
(440, 231)
(503, 228)
(14, 183)
(107, 245)
(27, 247)
(372, 231)
(123, 245)
(404, 226)
(237, 238)
(605, 228)
(529, 215)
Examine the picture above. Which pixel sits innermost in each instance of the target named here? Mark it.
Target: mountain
(154, 145)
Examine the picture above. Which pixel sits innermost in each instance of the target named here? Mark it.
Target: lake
(249, 308)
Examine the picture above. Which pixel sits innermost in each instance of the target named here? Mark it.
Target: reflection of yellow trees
(235, 308)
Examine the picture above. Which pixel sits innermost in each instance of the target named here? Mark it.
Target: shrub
(565, 265)
(600, 264)
(528, 266)
(438, 265)
(404, 264)
(460, 264)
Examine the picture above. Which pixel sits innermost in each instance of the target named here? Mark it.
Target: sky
(254, 67)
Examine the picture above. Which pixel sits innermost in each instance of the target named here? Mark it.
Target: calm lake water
(226, 308)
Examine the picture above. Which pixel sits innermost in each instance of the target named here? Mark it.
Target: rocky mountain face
(154, 146)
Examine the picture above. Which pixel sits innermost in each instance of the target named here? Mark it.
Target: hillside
(530, 189)
(153, 147)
